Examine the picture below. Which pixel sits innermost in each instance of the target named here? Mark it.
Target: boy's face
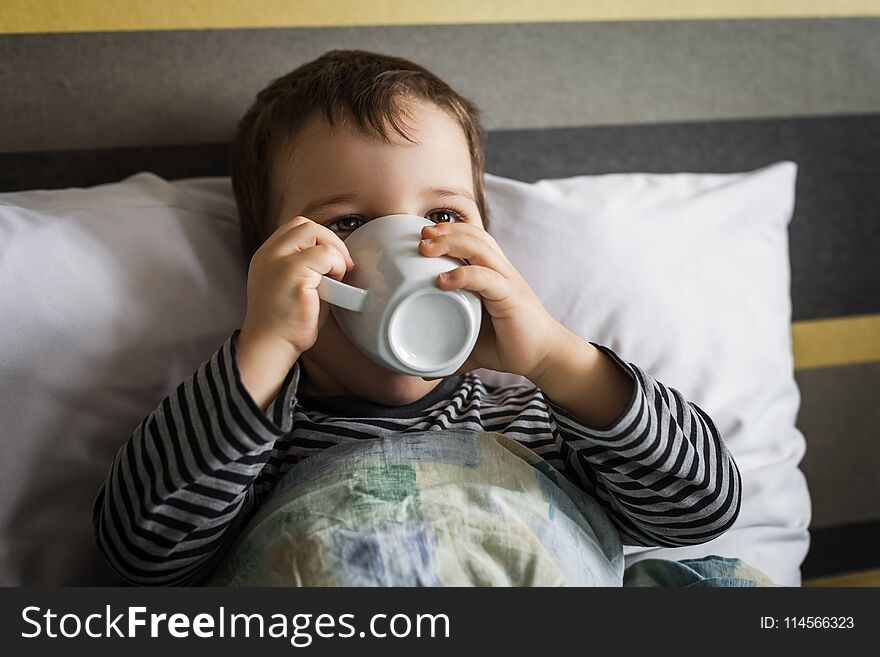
(383, 178)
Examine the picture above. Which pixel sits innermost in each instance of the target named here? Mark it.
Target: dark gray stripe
(99, 90)
(84, 168)
(844, 549)
(840, 419)
(835, 238)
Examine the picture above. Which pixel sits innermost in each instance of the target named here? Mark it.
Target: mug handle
(341, 294)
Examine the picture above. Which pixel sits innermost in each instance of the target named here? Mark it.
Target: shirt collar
(354, 406)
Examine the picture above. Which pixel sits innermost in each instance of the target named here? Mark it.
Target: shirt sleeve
(185, 479)
(661, 469)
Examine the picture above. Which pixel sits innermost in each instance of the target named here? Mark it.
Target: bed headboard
(92, 97)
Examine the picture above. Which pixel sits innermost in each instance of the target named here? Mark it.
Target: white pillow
(686, 275)
(113, 295)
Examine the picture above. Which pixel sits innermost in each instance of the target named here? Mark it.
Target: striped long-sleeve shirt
(203, 461)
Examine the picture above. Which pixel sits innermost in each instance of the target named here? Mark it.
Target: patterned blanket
(443, 508)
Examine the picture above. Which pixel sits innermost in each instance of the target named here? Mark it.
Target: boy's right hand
(284, 313)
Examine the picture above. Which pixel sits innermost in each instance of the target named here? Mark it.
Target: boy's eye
(444, 216)
(346, 224)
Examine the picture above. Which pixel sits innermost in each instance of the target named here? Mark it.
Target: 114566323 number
(818, 622)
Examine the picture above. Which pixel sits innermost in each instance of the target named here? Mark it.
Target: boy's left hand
(521, 332)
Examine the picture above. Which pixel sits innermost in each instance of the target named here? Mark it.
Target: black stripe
(208, 532)
(536, 445)
(529, 431)
(196, 508)
(320, 419)
(255, 459)
(164, 459)
(213, 493)
(306, 441)
(328, 430)
(175, 440)
(523, 418)
(514, 410)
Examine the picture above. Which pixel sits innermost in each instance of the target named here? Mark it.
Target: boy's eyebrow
(440, 191)
(332, 199)
(348, 197)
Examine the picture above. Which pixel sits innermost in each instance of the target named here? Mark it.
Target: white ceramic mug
(390, 307)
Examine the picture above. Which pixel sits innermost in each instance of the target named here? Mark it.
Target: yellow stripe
(28, 16)
(839, 341)
(863, 578)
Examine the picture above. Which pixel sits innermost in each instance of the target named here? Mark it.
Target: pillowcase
(111, 296)
(114, 294)
(686, 275)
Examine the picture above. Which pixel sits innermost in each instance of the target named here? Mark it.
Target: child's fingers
(305, 233)
(488, 283)
(468, 247)
(298, 226)
(284, 228)
(462, 228)
(321, 259)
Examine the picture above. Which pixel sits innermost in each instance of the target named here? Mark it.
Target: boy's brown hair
(343, 84)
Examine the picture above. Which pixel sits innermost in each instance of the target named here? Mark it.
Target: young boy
(339, 141)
